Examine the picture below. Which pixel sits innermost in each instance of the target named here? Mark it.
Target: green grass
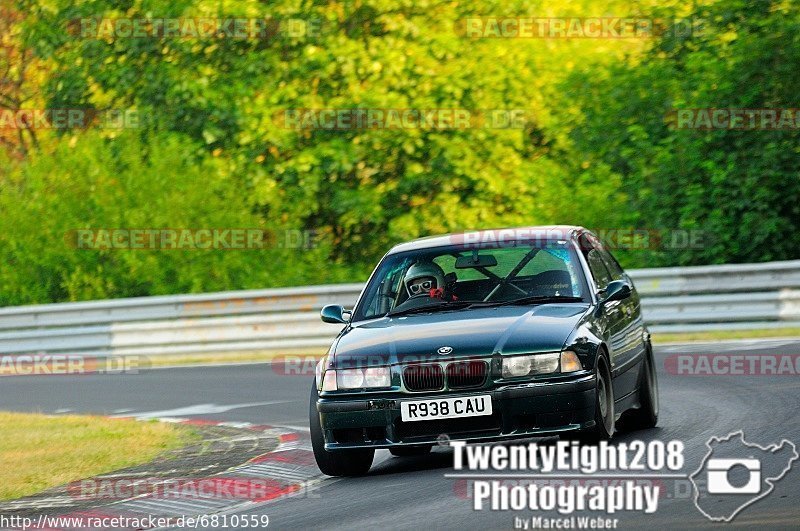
(38, 451)
(725, 335)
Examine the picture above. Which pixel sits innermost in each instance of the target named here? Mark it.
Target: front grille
(461, 375)
(423, 377)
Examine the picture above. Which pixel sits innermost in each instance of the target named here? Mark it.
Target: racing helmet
(423, 277)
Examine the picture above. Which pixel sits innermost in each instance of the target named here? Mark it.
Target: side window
(383, 297)
(611, 263)
(601, 275)
(589, 247)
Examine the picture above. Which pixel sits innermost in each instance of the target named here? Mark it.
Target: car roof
(564, 232)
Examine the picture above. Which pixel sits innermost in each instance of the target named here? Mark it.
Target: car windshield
(456, 277)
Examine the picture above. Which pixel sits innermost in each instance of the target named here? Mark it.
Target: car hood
(469, 332)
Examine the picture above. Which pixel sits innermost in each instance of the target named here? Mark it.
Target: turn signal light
(329, 380)
(570, 362)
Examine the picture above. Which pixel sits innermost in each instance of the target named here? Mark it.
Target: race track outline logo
(729, 460)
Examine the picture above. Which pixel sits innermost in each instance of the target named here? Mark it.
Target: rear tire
(409, 451)
(355, 462)
(647, 415)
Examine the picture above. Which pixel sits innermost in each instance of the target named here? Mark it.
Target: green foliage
(596, 149)
(163, 182)
(742, 187)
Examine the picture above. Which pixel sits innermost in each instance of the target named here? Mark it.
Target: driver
(424, 278)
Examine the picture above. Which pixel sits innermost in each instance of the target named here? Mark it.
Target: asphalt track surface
(412, 493)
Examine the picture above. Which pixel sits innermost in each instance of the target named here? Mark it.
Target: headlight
(350, 378)
(371, 378)
(516, 366)
(377, 377)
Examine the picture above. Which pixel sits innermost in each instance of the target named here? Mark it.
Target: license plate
(446, 408)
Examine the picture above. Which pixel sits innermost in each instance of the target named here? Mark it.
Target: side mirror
(334, 314)
(616, 291)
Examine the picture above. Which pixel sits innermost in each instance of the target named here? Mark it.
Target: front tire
(603, 429)
(355, 462)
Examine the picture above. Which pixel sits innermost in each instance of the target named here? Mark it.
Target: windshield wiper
(443, 306)
(458, 305)
(532, 300)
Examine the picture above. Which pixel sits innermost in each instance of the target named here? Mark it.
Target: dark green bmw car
(483, 336)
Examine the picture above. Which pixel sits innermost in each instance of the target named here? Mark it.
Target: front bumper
(519, 410)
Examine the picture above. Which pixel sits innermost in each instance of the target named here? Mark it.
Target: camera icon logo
(735, 474)
(718, 481)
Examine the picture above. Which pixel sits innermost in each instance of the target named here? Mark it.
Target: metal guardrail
(720, 297)
(683, 299)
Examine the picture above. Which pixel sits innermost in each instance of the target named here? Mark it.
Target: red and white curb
(288, 470)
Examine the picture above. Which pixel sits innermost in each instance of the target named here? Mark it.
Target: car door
(631, 328)
(613, 315)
